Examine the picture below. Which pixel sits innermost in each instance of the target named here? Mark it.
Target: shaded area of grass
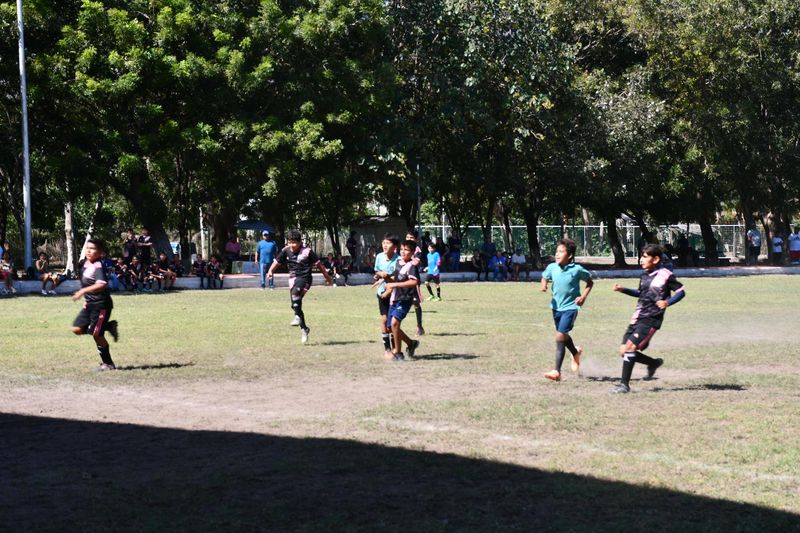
(66, 475)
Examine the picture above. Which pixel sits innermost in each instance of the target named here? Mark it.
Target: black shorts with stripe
(93, 319)
(383, 306)
(640, 333)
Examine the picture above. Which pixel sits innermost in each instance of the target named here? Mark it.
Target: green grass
(721, 422)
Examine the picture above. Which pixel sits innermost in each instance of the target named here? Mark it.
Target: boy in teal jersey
(433, 270)
(566, 276)
(385, 265)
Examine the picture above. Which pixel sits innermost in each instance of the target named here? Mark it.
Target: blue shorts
(565, 320)
(399, 309)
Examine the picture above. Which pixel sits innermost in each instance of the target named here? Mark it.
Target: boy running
(300, 260)
(566, 276)
(385, 266)
(433, 270)
(655, 287)
(97, 306)
(416, 257)
(404, 290)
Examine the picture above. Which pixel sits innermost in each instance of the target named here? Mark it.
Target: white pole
(26, 184)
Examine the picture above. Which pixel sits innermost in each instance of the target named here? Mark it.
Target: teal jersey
(566, 284)
(384, 264)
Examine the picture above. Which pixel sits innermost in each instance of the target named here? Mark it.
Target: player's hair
(431, 244)
(653, 250)
(412, 231)
(99, 244)
(293, 235)
(394, 239)
(408, 243)
(569, 244)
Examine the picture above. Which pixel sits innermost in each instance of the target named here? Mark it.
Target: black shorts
(299, 288)
(93, 319)
(640, 334)
(383, 306)
(432, 279)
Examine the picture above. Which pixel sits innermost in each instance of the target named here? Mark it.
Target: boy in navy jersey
(300, 260)
(97, 306)
(402, 293)
(655, 294)
(417, 258)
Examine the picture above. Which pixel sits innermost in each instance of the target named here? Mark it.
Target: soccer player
(385, 266)
(402, 293)
(433, 270)
(566, 276)
(300, 260)
(655, 294)
(97, 306)
(416, 257)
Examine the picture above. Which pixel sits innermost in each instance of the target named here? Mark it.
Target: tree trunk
(532, 228)
(614, 242)
(709, 241)
(587, 242)
(71, 266)
(98, 206)
(486, 223)
(505, 214)
(647, 235)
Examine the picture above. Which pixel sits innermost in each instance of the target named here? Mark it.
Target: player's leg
(386, 332)
(438, 291)
(418, 314)
(430, 291)
(100, 322)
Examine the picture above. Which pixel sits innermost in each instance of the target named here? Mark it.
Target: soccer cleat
(114, 330)
(430, 298)
(52, 292)
(411, 349)
(304, 335)
(105, 367)
(576, 359)
(44, 292)
(621, 389)
(295, 321)
(420, 332)
(553, 375)
(651, 369)
(398, 356)
(438, 299)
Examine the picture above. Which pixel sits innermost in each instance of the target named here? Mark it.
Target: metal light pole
(26, 184)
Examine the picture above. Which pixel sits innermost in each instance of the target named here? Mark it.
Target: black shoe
(651, 369)
(398, 356)
(621, 389)
(112, 328)
(411, 349)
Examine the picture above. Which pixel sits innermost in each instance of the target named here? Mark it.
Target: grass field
(220, 420)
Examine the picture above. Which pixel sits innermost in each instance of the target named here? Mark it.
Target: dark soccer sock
(644, 359)
(438, 292)
(297, 307)
(628, 360)
(428, 286)
(418, 312)
(105, 354)
(387, 343)
(559, 355)
(570, 345)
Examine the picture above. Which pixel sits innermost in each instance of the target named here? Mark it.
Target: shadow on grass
(456, 334)
(445, 356)
(155, 367)
(63, 475)
(345, 343)
(703, 387)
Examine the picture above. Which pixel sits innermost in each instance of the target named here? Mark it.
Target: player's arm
(580, 300)
(272, 267)
(678, 294)
(630, 292)
(410, 282)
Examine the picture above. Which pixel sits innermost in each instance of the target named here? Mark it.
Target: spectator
(265, 254)
(43, 274)
(129, 247)
(145, 246)
(121, 271)
(777, 249)
(454, 252)
(499, 266)
(176, 266)
(110, 271)
(368, 266)
(232, 250)
(215, 272)
(153, 275)
(518, 264)
(340, 269)
(136, 273)
(353, 249)
(684, 251)
(199, 270)
(479, 265)
(794, 246)
(488, 250)
(165, 272)
(753, 245)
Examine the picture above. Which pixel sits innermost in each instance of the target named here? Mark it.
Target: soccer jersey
(404, 272)
(144, 251)
(566, 284)
(384, 264)
(199, 268)
(91, 274)
(434, 263)
(300, 263)
(653, 287)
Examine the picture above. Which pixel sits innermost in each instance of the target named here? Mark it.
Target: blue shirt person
(265, 254)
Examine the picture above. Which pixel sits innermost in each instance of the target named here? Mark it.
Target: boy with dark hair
(165, 271)
(145, 246)
(416, 257)
(153, 274)
(300, 260)
(433, 270)
(94, 317)
(199, 270)
(385, 267)
(402, 293)
(215, 272)
(136, 273)
(566, 276)
(655, 294)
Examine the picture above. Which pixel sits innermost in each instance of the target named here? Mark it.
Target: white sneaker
(295, 321)
(44, 292)
(304, 335)
(53, 292)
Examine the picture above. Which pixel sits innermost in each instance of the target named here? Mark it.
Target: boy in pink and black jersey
(403, 293)
(655, 293)
(300, 260)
